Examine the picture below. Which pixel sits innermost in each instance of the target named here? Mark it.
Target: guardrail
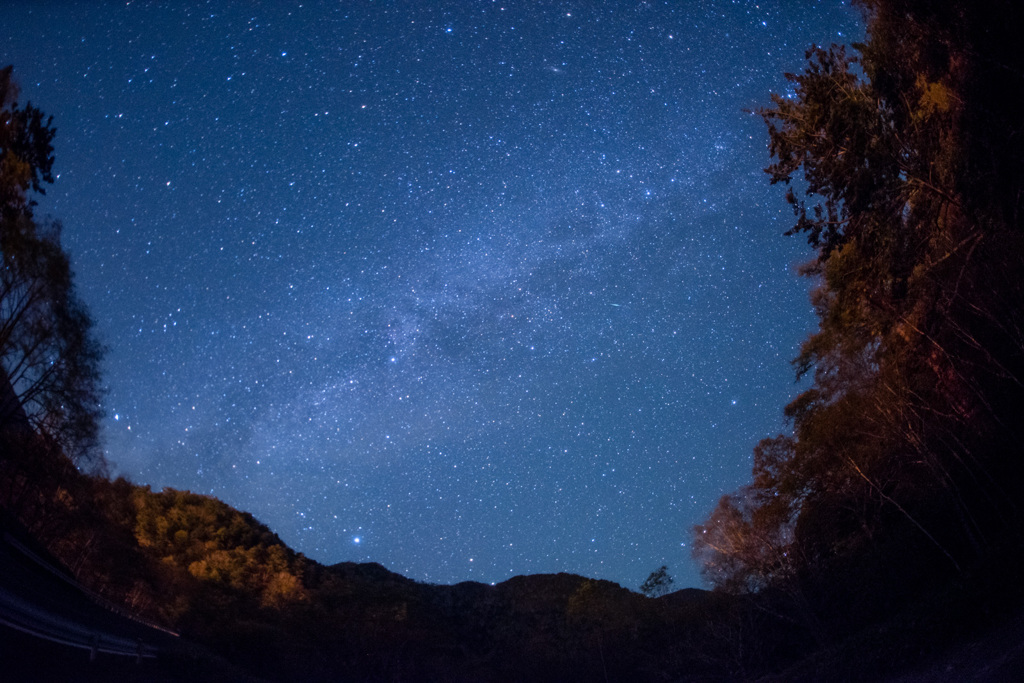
(22, 615)
(43, 600)
(97, 599)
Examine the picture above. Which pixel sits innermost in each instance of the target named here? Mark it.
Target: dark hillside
(240, 598)
(246, 606)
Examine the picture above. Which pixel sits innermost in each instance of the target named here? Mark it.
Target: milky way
(468, 289)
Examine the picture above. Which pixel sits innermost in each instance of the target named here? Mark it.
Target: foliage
(905, 452)
(49, 358)
(26, 151)
(222, 579)
(658, 583)
(215, 543)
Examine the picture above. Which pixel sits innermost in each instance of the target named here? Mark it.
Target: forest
(880, 537)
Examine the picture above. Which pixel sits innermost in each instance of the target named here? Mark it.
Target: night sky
(470, 289)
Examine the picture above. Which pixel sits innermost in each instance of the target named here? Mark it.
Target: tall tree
(49, 357)
(904, 169)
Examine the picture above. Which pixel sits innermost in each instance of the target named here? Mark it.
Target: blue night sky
(471, 289)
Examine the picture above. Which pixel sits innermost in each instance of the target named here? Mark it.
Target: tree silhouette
(658, 583)
(49, 358)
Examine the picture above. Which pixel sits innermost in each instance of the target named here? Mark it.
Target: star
(517, 293)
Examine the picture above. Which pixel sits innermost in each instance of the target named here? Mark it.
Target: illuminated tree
(747, 542)
(903, 166)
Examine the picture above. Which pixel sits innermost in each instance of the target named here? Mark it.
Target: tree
(210, 541)
(658, 583)
(906, 448)
(49, 357)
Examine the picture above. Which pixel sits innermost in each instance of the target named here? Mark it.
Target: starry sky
(471, 289)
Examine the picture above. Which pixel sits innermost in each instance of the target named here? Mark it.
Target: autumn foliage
(902, 159)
